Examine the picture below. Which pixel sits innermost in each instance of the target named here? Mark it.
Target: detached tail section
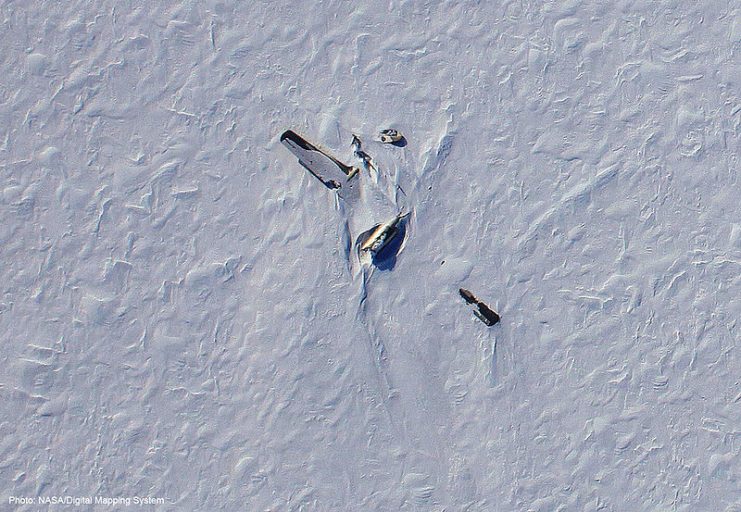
(482, 311)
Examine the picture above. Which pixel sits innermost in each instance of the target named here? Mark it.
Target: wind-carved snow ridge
(376, 348)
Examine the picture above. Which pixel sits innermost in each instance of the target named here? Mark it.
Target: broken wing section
(331, 172)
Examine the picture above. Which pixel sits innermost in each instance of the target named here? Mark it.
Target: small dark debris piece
(357, 146)
(390, 136)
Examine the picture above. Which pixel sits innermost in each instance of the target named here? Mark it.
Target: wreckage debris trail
(164, 252)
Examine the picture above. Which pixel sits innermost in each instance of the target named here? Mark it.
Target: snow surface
(184, 315)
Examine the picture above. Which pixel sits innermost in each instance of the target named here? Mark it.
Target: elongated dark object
(486, 315)
(483, 312)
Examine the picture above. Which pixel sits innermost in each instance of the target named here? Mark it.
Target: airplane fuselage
(382, 235)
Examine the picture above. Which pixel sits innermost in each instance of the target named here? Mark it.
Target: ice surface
(183, 316)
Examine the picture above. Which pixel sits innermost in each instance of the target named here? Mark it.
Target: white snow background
(183, 315)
